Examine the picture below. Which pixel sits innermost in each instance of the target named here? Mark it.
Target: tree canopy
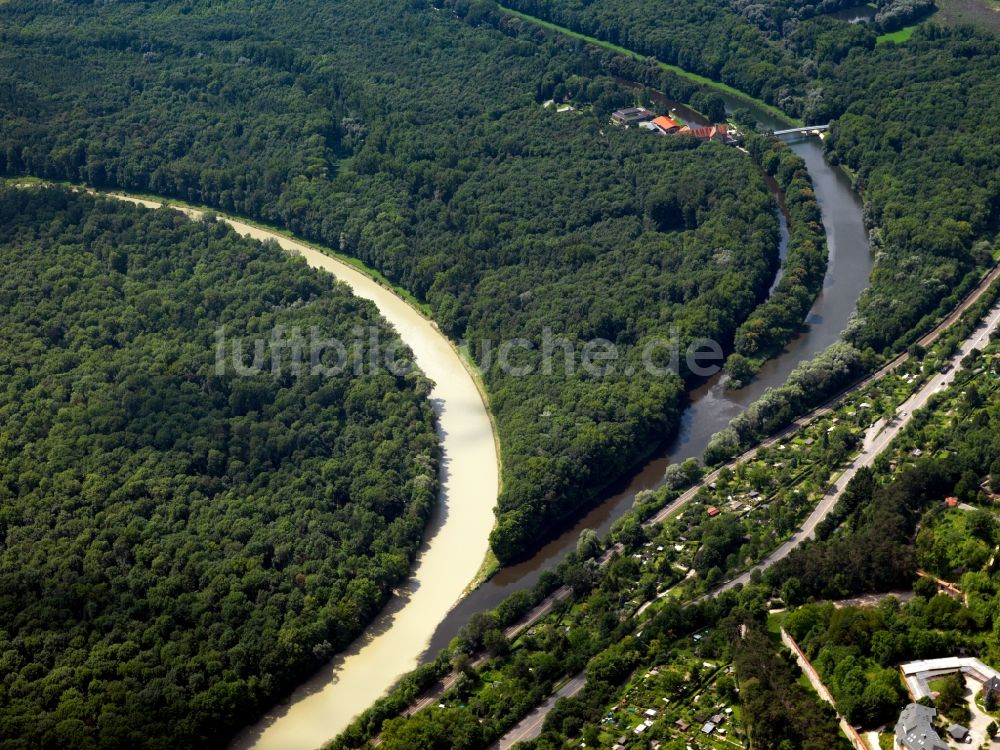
(416, 141)
(180, 545)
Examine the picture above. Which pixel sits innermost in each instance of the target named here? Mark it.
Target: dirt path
(814, 679)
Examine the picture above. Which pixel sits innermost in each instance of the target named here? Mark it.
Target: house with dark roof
(915, 729)
(992, 685)
(631, 116)
(958, 733)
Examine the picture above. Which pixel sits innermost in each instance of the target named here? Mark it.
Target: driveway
(980, 720)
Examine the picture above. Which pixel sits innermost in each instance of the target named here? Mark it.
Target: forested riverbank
(940, 264)
(929, 244)
(828, 70)
(508, 219)
(184, 540)
(632, 613)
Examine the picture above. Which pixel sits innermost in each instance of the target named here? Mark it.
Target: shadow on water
(329, 673)
(712, 405)
(855, 14)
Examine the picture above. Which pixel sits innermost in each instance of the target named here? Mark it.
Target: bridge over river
(806, 130)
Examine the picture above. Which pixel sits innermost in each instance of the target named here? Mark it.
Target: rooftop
(958, 732)
(917, 674)
(915, 729)
(666, 123)
(632, 114)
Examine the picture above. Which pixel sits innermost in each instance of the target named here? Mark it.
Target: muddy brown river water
(429, 609)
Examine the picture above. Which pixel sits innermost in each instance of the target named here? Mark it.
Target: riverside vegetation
(679, 646)
(928, 241)
(414, 140)
(337, 144)
(417, 143)
(181, 546)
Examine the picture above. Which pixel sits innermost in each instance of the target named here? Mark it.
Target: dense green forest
(927, 160)
(780, 712)
(700, 36)
(180, 545)
(415, 140)
(915, 123)
(471, 196)
(417, 143)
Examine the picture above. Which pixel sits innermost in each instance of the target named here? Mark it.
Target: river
(456, 540)
(414, 625)
(712, 405)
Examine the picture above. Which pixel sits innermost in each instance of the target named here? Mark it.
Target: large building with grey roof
(915, 729)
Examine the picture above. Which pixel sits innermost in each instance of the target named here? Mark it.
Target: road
(877, 438)
(980, 720)
(531, 725)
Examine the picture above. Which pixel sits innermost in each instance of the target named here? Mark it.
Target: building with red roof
(707, 133)
(667, 125)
